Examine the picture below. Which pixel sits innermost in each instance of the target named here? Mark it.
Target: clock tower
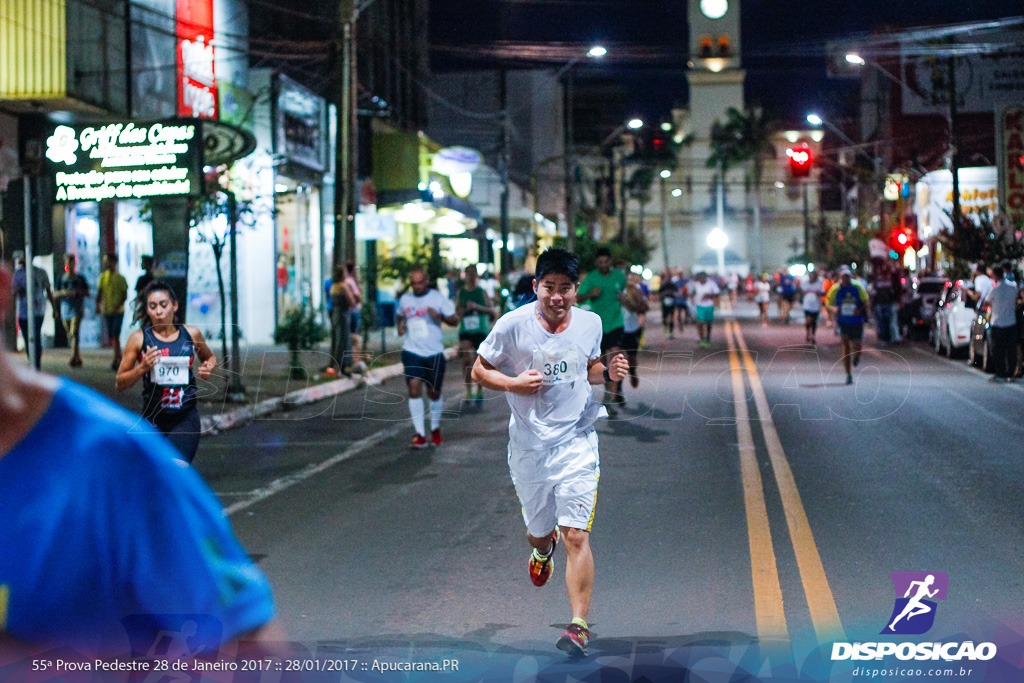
(715, 76)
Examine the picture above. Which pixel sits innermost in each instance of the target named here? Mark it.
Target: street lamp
(718, 240)
(634, 124)
(665, 173)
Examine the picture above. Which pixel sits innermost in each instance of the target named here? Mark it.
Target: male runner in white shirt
(420, 314)
(546, 355)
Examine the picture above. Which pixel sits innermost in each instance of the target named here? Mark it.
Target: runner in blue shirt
(849, 301)
(111, 542)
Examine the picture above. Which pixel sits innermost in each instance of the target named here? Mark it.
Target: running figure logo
(914, 611)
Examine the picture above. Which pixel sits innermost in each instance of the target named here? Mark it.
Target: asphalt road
(750, 511)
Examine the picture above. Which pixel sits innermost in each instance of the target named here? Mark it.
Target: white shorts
(557, 486)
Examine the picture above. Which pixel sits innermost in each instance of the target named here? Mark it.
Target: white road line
(302, 475)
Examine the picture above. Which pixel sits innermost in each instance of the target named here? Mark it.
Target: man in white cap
(849, 301)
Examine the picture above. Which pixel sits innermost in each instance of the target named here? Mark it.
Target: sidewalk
(264, 375)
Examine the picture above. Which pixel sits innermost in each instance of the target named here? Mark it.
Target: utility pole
(30, 312)
(807, 221)
(954, 135)
(570, 164)
(664, 221)
(346, 164)
(235, 390)
(503, 163)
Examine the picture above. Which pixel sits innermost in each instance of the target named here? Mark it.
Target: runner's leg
(579, 570)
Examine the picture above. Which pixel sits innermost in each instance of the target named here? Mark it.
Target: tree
(972, 242)
(204, 219)
(745, 136)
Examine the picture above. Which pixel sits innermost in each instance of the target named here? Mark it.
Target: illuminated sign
(1013, 144)
(452, 160)
(197, 91)
(125, 160)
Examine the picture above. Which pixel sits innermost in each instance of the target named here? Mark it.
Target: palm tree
(746, 136)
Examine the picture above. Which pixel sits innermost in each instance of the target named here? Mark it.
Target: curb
(212, 425)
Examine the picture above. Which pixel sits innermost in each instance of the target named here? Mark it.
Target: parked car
(954, 315)
(979, 349)
(919, 304)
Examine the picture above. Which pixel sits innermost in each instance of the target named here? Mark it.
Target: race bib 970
(171, 371)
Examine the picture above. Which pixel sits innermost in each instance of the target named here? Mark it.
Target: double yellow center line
(768, 603)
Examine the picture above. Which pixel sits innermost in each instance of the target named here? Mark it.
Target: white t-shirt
(565, 405)
(764, 292)
(702, 294)
(813, 291)
(422, 332)
(983, 284)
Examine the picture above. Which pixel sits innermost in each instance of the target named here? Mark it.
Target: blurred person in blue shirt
(111, 543)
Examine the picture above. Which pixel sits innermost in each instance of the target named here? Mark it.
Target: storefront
(293, 130)
(933, 206)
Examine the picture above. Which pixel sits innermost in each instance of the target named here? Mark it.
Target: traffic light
(800, 161)
(903, 238)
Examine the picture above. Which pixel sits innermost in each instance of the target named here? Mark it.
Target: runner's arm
(209, 361)
(489, 377)
(131, 370)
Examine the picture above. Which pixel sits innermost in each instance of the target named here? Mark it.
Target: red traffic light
(902, 238)
(800, 161)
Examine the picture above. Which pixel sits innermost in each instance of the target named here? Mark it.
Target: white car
(954, 316)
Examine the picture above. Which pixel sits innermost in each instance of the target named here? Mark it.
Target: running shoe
(849, 379)
(574, 641)
(634, 381)
(540, 567)
(856, 360)
(419, 441)
(479, 397)
(435, 437)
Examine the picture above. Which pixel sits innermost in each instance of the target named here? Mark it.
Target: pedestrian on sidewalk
(146, 277)
(1002, 299)
(475, 310)
(705, 294)
(355, 317)
(108, 540)
(111, 294)
(546, 355)
(849, 302)
(164, 355)
(72, 290)
(41, 293)
(603, 289)
(419, 317)
(343, 302)
(882, 299)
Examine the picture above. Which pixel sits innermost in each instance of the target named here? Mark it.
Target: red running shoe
(435, 437)
(541, 567)
(419, 441)
(574, 641)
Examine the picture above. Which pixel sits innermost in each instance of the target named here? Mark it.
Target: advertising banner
(125, 160)
(197, 91)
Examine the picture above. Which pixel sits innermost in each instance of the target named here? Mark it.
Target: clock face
(714, 9)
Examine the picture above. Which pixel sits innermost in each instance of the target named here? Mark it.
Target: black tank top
(160, 396)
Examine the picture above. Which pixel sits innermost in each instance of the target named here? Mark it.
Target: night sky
(783, 42)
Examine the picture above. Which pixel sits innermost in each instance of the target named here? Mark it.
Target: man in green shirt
(604, 289)
(111, 293)
(473, 307)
